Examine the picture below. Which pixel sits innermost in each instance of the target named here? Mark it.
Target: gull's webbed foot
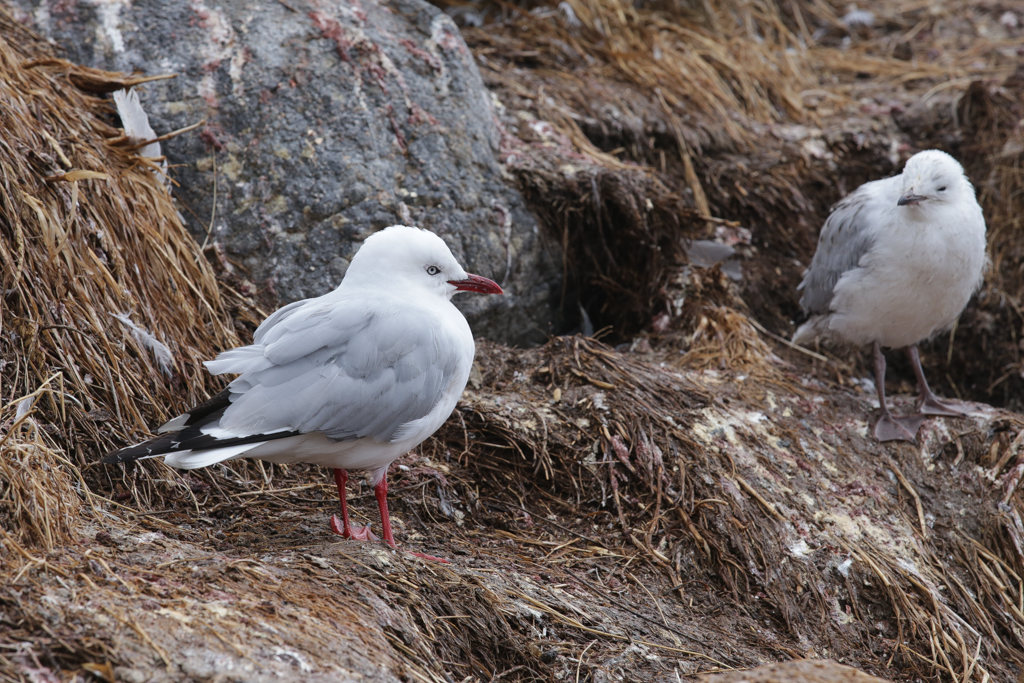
(932, 405)
(889, 428)
(356, 533)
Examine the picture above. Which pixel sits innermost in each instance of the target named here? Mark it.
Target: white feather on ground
(24, 405)
(162, 354)
(136, 124)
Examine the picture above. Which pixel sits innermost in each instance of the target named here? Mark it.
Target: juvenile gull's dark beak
(913, 199)
(476, 283)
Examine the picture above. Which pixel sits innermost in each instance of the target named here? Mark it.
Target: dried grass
(89, 232)
(725, 338)
(716, 71)
(708, 321)
(708, 81)
(592, 501)
(38, 502)
(666, 86)
(619, 234)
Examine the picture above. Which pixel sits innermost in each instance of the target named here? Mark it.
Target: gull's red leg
(346, 530)
(381, 492)
(341, 479)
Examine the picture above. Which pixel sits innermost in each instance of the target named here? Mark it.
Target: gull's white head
(933, 178)
(412, 259)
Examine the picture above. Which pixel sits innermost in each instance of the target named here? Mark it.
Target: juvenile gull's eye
(433, 270)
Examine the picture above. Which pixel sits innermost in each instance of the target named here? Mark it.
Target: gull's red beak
(475, 283)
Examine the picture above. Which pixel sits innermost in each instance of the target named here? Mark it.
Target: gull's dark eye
(433, 270)
(942, 189)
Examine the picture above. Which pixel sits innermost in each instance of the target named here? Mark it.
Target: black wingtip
(116, 458)
(191, 438)
(203, 413)
(128, 454)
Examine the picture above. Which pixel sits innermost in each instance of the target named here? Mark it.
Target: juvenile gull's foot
(889, 428)
(356, 533)
(936, 406)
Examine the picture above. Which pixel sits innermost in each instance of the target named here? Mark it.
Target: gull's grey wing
(845, 238)
(277, 316)
(341, 369)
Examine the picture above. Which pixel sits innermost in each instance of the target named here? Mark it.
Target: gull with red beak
(353, 379)
(897, 261)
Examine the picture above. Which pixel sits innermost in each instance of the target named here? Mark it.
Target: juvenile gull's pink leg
(927, 402)
(889, 428)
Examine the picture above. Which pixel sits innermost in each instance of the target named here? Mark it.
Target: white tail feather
(190, 460)
(241, 359)
(175, 425)
(814, 328)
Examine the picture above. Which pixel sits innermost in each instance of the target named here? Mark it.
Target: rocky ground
(695, 497)
(776, 529)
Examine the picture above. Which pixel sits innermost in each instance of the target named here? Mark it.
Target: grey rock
(325, 121)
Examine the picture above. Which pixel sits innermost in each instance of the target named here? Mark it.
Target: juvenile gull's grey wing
(844, 239)
(344, 371)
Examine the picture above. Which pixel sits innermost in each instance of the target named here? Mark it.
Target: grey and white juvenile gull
(353, 379)
(897, 261)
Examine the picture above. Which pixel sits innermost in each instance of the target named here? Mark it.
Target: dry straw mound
(631, 89)
(96, 266)
(908, 556)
